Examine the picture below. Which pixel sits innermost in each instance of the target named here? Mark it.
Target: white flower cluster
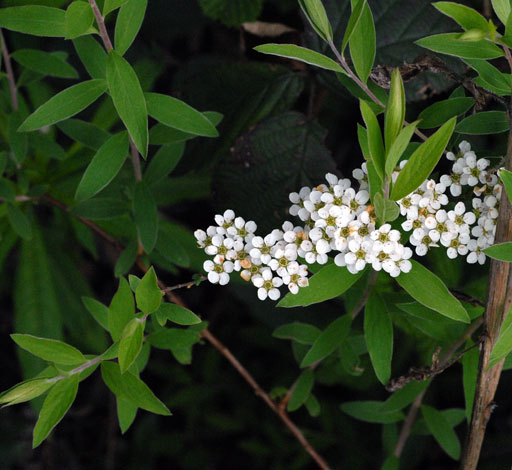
(267, 262)
(461, 231)
(338, 219)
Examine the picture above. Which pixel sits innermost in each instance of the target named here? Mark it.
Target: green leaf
(302, 390)
(316, 15)
(405, 396)
(378, 333)
(129, 21)
(501, 251)
(99, 208)
(328, 340)
(449, 43)
(303, 333)
(65, 104)
(49, 350)
(440, 112)
(394, 114)
(131, 388)
(424, 286)
(313, 406)
(148, 295)
(126, 412)
(177, 314)
(103, 167)
(491, 75)
(111, 5)
(17, 140)
(45, 63)
(470, 362)
(130, 343)
(506, 177)
(375, 143)
(126, 259)
(371, 412)
(353, 21)
(78, 20)
(422, 161)
(442, 431)
(34, 19)
(134, 282)
(6, 190)
(386, 210)
(92, 55)
(466, 17)
(55, 406)
(179, 115)
(331, 281)
(363, 44)
(145, 215)
(84, 132)
(19, 222)
(487, 122)
(163, 162)
(128, 99)
(232, 13)
(291, 51)
(121, 310)
(502, 9)
(25, 391)
(98, 311)
(170, 248)
(503, 345)
(398, 148)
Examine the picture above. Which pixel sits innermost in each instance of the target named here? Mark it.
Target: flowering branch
(10, 73)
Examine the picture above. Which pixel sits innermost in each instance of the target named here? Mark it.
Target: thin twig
(135, 161)
(101, 25)
(10, 73)
(406, 427)
(467, 298)
(186, 285)
(369, 287)
(217, 344)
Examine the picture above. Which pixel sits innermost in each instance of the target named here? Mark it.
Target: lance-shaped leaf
(501, 251)
(34, 19)
(502, 9)
(129, 387)
(424, 286)
(438, 113)
(55, 406)
(111, 5)
(97, 310)
(398, 148)
(19, 222)
(78, 20)
(179, 115)
(371, 412)
(506, 177)
(487, 122)
(442, 431)
(129, 21)
(316, 15)
(378, 334)
(375, 143)
(92, 55)
(363, 44)
(45, 63)
(65, 104)
(302, 390)
(128, 99)
(49, 349)
(386, 210)
(291, 51)
(422, 162)
(331, 281)
(395, 111)
(103, 167)
(466, 17)
(503, 346)
(147, 294)
(328, 340)
(449, 43)
(130, 343)
(126, 412)
(301, 332)
(177, 314)
(25, 391)
(405, 396)
(146, 216)
(353, 21)
(121, 310)
(492, 77)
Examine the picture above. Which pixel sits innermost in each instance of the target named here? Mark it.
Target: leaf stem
(101, 25)
(10, 74)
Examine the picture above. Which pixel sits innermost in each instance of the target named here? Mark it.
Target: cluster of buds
(339, 221)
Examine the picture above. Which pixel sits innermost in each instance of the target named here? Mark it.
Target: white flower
(218, 270)
(267, 284)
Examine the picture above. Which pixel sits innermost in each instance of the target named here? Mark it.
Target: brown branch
(101, 25)
(10, 73)
(186, 285)
(467, 298)
(216, 343)
(406, 427)
(499, 301)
